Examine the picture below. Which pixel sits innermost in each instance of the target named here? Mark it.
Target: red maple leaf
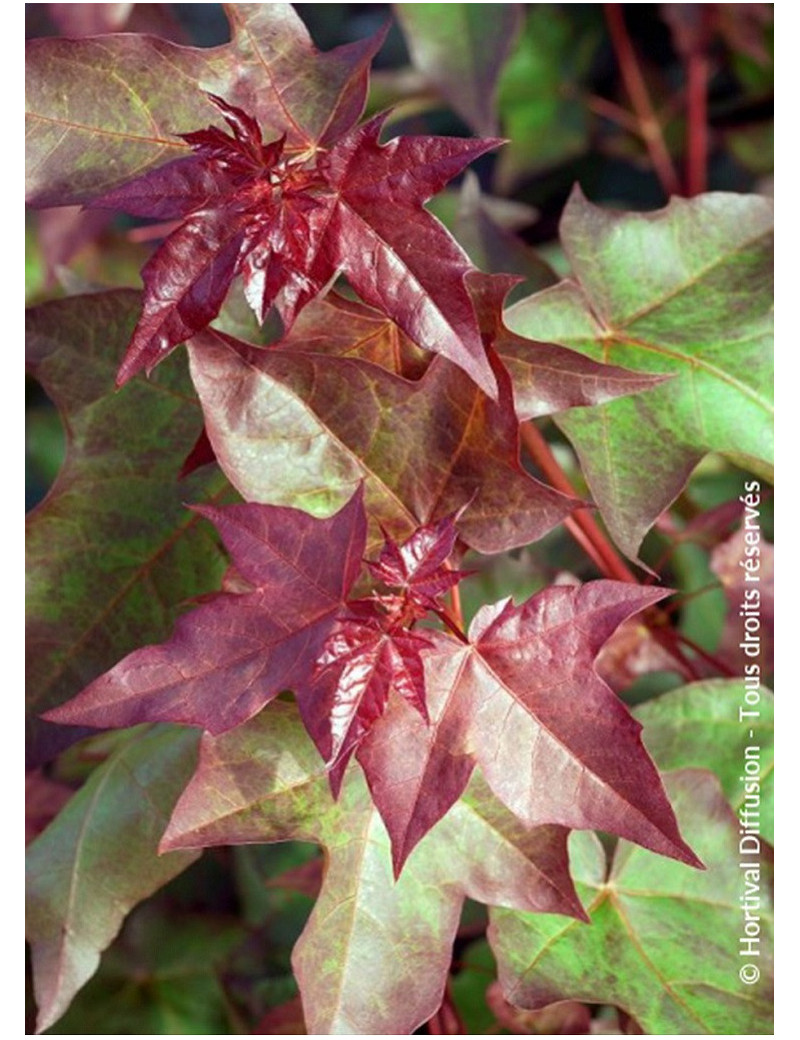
(289, 222)
(239, 649)
(522, 700)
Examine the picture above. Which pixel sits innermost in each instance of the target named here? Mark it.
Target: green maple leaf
(687, 291)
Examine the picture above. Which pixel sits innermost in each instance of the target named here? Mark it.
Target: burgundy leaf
(304, 429)
(170, 191)
(395, 254)
(201, 455)
(100, 111)
(289, 86)
(547, 378)
(348, 328)
(186, 282)
(234, 653)
(524, 702)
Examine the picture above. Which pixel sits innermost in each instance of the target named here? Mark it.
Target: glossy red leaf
(290, 225)
(185, 282)
(371, 651)
(523, 701)
(363, 659)
(171, 191)
(396, 255)
(237, 651)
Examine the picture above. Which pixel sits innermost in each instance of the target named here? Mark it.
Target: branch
(581, 524)
(649, 126)
(697, 122)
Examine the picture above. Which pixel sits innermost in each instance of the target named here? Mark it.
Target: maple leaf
(290, 223)
(693, 727)
(523, 701)
(303, 429)
(341, 327)
(98, 859)
(238, 650)
(547, 378)
(371, 652)
(264, 782)
(107, 548)
(667, 931)
(703, 313)
(84, 136)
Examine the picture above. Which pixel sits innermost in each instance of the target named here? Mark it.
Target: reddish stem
(581, 524)
(453, 616)
(667, 638)
(613, 112)
(649, 126)
(583, 528)
(455, 605)
(715, 662)
(697, 122)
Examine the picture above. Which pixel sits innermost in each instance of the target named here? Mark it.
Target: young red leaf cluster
(289, 222)
(372, 650)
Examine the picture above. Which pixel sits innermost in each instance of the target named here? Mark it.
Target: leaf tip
(168, 843)
(581, 912)
(690, 858)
